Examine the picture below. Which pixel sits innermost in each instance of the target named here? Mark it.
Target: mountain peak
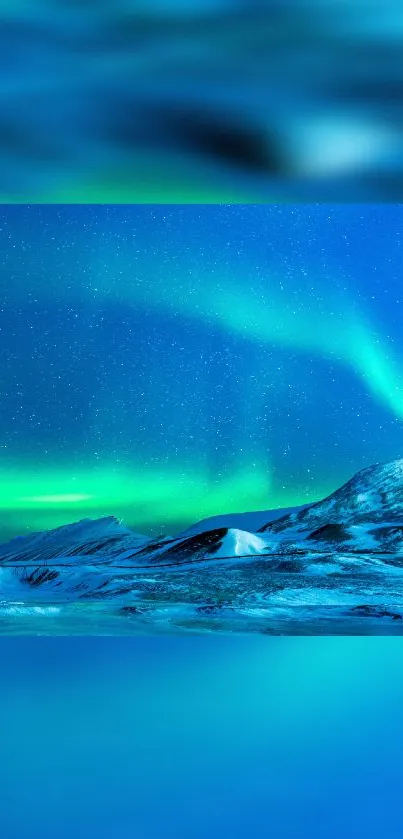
(105, 536)
(372, 494)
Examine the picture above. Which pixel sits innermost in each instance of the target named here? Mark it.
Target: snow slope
(243, 521)
(99, 540)
(365, 513)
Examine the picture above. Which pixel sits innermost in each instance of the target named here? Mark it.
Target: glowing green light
(45, 498)
(71, 498)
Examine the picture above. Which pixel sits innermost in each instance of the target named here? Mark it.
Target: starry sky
(168, 363)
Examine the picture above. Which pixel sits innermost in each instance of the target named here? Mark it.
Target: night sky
(167, 363)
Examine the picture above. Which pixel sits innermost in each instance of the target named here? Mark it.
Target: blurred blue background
(232, 100)
(200, 737)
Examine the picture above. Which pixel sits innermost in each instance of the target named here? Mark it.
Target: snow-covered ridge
(366, 514)
(373, 495)
(100, 539)
(251, 522)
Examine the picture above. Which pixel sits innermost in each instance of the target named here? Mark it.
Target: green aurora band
(50, 498)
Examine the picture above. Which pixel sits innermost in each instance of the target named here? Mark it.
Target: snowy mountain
(366, 513)
(335, 566)
(220, 543)
(241, 521)
(99, 540)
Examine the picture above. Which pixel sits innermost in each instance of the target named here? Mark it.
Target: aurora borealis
(168, 363)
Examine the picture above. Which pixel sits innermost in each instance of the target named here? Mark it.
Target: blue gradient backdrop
(202, 737)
